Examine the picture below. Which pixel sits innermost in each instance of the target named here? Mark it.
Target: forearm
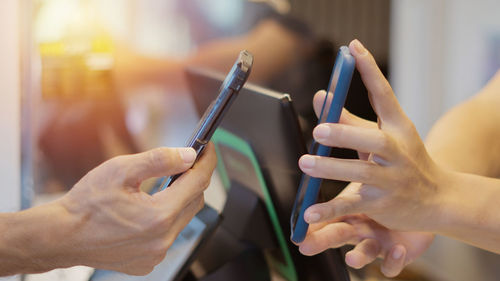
(32, 241)
(286, 47)
(466, 138)
(469, 210)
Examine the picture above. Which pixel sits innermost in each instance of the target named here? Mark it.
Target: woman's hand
(371, 240)
(395, 184)
(400, 187)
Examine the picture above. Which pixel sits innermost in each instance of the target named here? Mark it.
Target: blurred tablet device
(180, 255)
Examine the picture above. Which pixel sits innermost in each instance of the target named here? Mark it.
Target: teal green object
(223, 137)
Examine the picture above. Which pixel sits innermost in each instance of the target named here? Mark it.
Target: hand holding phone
(212, 117)
(307, 194)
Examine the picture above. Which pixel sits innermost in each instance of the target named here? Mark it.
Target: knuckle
(400, 178)
(203, 182)
(201, 203)
(371, 247)
(341, 134)
(167, 221)
(114, 168)
(365, 173)
(386, 87)
(158, 157)
(342, 206)
(341, 233)
(161, 222)
(157, 252)
(410, 127)
(324, 167)
(385, 143)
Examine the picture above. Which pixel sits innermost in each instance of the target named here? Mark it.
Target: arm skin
(105, 221)
(397, 184)
(274, 46)
(466, 138)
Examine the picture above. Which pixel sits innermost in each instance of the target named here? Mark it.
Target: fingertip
(356, 48)
(320, 95)
(306, 249)
(394, 261)
(354, 259)
(318, 101)
(187, 154)
(321, 132)
(312, 216)
(307, 162)
(398, 252)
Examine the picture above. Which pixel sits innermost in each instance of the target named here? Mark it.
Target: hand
(372, 240)
(109, 223)
(393, 181)
(400, 186)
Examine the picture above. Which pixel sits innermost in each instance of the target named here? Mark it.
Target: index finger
(380, 93)
(346, 117)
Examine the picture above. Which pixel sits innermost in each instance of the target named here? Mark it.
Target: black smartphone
(212, 117)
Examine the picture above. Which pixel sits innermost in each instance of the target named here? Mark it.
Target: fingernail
(188, 154)
(312, 217)
(307, 162)
(304, 249)
(321, 132)
(358, 47)
(397, 253)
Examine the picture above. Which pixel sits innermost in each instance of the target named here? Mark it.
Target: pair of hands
(395, 185)
(109, 223)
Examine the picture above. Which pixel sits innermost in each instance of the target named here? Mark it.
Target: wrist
(438, 214)
(34, 239)
(457, 204)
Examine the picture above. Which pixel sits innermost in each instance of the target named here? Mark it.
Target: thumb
(157, 162)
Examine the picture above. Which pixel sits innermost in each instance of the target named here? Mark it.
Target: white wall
(10, 194)
(416, 59)
(442, 52)
(9, 107)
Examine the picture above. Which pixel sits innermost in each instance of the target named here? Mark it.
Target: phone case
(232, 84)
(307, 194)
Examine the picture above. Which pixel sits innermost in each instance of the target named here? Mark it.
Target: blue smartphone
(235, 80)
(307, 194)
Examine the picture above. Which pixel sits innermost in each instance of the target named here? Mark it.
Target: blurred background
(85, 80)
